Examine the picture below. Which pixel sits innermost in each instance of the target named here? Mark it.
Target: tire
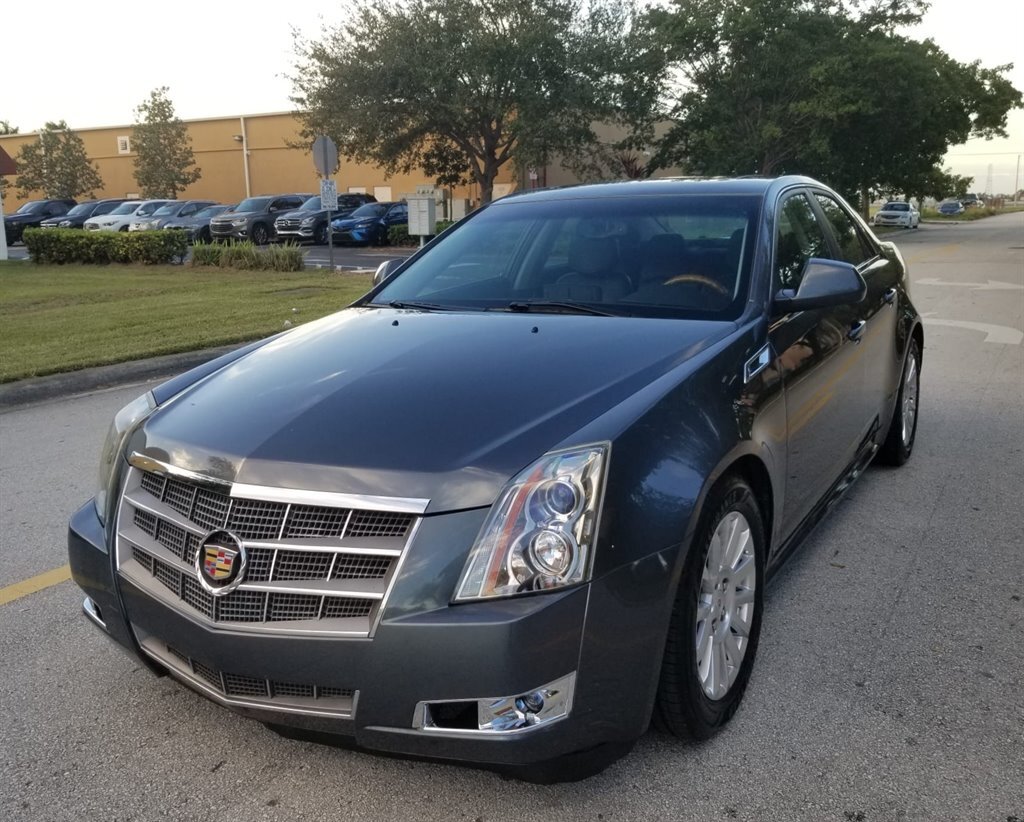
(259, 234)
(320, 235)
(123, 228)
(204, 235)
(692, 702)
(899, 440)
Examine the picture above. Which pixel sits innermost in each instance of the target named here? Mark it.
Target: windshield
(126, 208)
(369, 210)
(31, 207)
(253, 204)
(148, 209)
(312, 204)
(210, 211)
(897, 207)
(168, 210)
(81, 210)
(684, 256)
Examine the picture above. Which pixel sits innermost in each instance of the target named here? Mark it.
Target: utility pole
(1016, 181)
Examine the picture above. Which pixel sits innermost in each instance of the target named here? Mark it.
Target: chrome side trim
(758, 363)
(90, 610)
(145, 463)
(267, 493)
(410, 539)
(331, 499)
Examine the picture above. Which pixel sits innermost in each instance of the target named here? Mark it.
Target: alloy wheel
(725, 605)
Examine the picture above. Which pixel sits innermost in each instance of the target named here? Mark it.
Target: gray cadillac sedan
(525, 495)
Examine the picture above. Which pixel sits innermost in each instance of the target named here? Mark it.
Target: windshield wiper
(558, 306)
(418, 306)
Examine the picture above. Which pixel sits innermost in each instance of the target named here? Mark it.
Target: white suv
(123, 215)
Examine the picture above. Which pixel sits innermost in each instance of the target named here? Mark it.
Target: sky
(222, 58)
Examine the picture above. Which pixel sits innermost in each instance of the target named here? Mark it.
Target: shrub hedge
(399, 234)
(68, 245)
(249, 257)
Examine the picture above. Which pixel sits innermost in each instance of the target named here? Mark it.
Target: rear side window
(104, 208)
(853, 248)
(798, 238)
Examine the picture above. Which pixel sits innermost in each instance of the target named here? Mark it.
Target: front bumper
(424, 650)
(355, 235)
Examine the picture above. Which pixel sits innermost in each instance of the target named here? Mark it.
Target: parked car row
(359, 218)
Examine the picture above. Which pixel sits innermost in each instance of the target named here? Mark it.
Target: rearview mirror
(825, 283)
(384, 270)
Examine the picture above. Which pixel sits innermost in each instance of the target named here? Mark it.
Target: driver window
(798, 238)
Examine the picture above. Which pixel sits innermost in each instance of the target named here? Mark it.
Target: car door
(877, 311)
(819, 364)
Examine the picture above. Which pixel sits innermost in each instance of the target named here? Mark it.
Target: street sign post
(329, 195)
(325, 160)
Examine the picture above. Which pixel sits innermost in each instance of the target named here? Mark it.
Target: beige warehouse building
(239, 156)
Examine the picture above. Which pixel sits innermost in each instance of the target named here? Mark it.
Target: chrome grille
(312, 569)
(251, 690)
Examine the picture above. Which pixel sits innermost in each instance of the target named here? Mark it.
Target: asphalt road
(889, 683)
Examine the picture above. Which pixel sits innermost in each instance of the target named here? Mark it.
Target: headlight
(239, 222)
(540, 533)
(124, 423)
(309, 221)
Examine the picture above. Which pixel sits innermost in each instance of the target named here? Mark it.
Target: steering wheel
(700, 279)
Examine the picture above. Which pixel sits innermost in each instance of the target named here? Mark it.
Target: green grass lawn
(62, 318)
(969, 214)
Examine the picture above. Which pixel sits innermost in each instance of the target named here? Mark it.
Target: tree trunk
(865, 202)
(486, 179)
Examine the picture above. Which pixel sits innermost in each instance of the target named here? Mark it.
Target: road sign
(325, 155)
(329, 195)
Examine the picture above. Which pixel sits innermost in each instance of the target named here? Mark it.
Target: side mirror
(384, 270)
(825, 283)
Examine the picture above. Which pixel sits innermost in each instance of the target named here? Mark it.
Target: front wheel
(320, 235)
(899, 441)
(260, 235)
(716, 619)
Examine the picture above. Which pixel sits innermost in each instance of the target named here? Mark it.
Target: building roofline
(132, 125)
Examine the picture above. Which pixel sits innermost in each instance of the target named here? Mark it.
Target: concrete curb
(58, 386)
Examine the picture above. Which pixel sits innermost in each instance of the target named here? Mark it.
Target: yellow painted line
(37, 583)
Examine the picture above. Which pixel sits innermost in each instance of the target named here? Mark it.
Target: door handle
(890, 296)
(856, 330)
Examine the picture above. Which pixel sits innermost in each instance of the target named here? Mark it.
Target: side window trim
(830, 235)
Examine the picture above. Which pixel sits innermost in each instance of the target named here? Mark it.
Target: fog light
(501, 715)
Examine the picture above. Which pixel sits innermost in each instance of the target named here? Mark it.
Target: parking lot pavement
(889, 683)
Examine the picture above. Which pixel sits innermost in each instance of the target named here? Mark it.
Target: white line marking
(990, 285)
(999, 334)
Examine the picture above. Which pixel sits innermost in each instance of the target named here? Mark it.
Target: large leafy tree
(55, 165)
(823, 88)
(516, 81)
(164, 162)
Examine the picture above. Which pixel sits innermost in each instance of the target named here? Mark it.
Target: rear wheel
(899, 441)
(716, 620)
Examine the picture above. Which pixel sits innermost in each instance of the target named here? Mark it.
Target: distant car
(310, 221)
(253, 218)
(83, 211)
(971, 201)
(173, 209)
(897, 213)
(197, 226)
(370, 223)
(32, 214)
(121, 217)
(951, 208)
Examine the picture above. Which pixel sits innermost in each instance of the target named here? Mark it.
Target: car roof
(660, 187)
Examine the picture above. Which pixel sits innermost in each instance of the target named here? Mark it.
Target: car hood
(302, 215)
(235, 215)
(439, 406)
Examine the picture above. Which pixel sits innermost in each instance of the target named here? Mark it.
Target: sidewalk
(41, 389)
